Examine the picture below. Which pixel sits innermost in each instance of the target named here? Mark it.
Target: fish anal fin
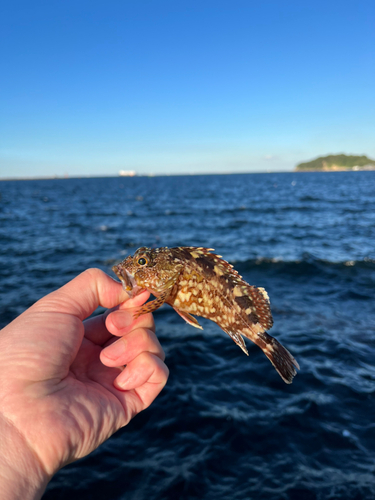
(237, 338)
(188, 318)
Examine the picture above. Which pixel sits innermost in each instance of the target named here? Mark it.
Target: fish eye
(142, 261)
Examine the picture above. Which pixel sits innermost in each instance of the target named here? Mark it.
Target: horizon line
(150, 174)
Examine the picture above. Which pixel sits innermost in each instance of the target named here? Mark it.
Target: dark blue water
(226, 426)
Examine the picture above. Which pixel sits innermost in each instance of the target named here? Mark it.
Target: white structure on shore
(127, 173)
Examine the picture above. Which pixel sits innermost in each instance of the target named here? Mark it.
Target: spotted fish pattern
(194, 280)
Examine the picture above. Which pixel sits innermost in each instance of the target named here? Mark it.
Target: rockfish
(193, 280)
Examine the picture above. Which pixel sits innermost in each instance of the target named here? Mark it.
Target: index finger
(96, 328)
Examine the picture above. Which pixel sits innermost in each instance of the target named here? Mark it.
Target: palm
(62, 398)
(72, 402)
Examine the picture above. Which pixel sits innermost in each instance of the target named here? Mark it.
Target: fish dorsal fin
(261, 303)
(254, 303)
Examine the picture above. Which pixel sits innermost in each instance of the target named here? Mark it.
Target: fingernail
(121, 319)
(116, 349)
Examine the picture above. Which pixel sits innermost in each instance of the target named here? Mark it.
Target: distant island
(336, 163)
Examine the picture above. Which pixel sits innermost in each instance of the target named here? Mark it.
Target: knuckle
(162, 373)
(161, 354)
(145, 336)
(93, 272)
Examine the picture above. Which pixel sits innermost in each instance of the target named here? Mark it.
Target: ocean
(226, 427)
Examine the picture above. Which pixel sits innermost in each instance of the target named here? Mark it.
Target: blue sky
(92, 87)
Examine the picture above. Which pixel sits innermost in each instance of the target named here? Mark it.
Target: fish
(195, 280)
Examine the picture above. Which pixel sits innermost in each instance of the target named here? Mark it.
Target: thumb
(83, 294)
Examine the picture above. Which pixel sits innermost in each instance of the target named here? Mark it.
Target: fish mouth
(128, 281)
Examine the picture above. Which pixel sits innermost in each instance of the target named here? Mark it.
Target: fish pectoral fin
(153, 305)
(188, 318)
(237, 338)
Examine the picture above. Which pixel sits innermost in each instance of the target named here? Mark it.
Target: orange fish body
(193, 280)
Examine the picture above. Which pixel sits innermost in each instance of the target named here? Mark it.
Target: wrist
(21, 473)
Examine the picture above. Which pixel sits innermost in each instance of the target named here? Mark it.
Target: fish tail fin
(282, 360)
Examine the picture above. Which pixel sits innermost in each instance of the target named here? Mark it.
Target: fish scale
(194, 280)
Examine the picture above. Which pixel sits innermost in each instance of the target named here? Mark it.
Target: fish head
(148, 269)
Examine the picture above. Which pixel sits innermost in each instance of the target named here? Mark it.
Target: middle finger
(130, 346)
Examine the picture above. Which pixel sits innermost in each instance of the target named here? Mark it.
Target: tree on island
(337, 162)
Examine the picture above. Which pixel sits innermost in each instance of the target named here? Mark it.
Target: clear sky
(89, 87)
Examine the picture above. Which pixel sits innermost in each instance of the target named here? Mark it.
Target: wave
(307, 265)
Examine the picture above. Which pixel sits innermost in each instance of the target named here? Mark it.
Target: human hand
(63, 389)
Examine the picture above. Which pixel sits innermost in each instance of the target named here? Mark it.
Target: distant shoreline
(337, 163)
(337, 169)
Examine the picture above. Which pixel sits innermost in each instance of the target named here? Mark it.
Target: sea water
(225, 426)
